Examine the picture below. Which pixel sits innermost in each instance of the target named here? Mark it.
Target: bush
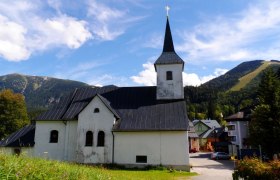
(254, 169)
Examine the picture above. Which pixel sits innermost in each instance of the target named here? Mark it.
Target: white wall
(95, 122)
(168, 148)
(64, 149)
(170, 89)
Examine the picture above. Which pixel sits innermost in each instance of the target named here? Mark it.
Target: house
(238, 128)
(130, 126)
(204, 128)
(193, 139)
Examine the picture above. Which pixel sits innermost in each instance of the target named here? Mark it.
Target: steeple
(168, 55)
(168, 42)
(169, 67)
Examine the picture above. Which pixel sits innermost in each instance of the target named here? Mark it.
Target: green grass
(22, 167)
(243, 81)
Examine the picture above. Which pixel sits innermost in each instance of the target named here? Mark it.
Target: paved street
(209, 169)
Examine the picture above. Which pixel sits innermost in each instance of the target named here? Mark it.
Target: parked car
(220, 155)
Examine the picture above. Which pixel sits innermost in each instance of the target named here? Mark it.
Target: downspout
(113, 148)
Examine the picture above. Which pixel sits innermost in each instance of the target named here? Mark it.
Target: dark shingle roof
(168, 42)
(169, 58)
(21, 138)
(137, 108)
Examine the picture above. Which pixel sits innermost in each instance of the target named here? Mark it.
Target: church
(130, 126)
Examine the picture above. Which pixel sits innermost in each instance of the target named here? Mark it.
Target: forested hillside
(217, 98)
(39, 92)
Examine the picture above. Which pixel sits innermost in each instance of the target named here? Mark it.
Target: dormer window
(96, 110)
(169, 75)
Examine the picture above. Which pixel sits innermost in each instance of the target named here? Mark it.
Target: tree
(13, 113)
(265, 124)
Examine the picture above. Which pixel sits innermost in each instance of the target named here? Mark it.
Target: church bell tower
(169, 67)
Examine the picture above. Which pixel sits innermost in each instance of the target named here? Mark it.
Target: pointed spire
(168, 42)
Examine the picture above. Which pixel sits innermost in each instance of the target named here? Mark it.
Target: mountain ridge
(44, 91)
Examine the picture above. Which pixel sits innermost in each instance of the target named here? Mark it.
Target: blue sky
(116, 42)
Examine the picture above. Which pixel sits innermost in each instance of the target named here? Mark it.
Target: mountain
(244, 76)
(228, 93)
(40, 92)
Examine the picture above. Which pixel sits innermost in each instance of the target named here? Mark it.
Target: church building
(130, 126)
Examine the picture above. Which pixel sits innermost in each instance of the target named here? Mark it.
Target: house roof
(137, 108)
(192, 133)
(239, 116)
(168, 55)
(21, 138)
(210, 123)
(217, 132)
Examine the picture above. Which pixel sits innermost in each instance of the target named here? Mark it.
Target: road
(209, 169)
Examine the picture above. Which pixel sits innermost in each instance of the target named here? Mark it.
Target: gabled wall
(95, 122)
(200, 128)
(64, 149)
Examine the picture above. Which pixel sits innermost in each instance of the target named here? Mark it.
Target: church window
(101, 139)
(169, 75)
(141, 159)
(96, 110)
(89, 138)
(54, 136)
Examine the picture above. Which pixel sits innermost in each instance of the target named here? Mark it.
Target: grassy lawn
(22, 167)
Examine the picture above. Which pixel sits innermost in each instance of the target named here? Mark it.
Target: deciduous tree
(13, 113)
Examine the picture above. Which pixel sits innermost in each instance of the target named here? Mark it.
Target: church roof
(136, 107)
(168, 55)
(21, 138)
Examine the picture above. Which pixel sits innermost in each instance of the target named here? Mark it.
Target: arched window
(54, 136)
(169, 75)
(89, 138)
(96, 110)
(101, 138)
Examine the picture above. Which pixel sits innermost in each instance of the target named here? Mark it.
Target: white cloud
(62, 30)
(12, 40)
(108, 79)
(241, 37)
(147, 77)
(108, 23)
(80, 71)
(24, 31)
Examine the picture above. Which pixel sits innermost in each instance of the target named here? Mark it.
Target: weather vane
(167, 9)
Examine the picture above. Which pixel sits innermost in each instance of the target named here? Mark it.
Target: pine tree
(13, 113)
(265, 124)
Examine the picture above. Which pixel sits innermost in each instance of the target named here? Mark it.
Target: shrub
(254, 169)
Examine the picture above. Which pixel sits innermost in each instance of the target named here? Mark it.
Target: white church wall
(95, 122)
(64, 149)
(70, 152)
(170, 89)
(168, 148)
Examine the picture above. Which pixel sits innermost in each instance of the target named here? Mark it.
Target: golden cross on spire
(167, 9)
